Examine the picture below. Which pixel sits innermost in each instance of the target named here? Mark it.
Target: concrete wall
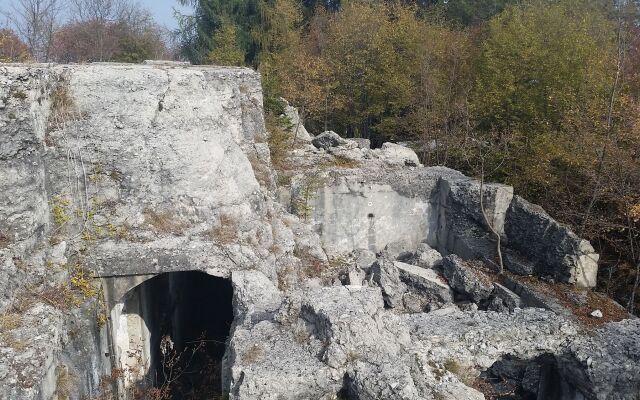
(354, 215)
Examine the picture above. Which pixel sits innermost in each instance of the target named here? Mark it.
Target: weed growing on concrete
(253, 354)
(302, 202)
(344, 162)
(164, 222)
(10, 321)
(59, 210)
(226, 231)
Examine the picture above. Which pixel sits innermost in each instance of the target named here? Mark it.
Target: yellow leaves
(634, 212)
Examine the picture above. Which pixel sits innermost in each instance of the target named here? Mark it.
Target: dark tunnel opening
(189, 316)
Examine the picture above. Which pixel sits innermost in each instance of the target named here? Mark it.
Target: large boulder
(552, 248)
(605, 365)
(395, 154)
(328, 139)
(297, 125)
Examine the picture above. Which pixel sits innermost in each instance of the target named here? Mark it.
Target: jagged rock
(398, 250)
(497, 304)
(347, 320)
(605, 365)
(363, 259)
(467, 306)
(467, 280)
(518, 264)
(327, 140)
(177, 167)
(413, 303)
(425, 283)
(552, 247)
(427, 257)
(297, 125)
(385, 274)
(386, 381)
(254, 296)
(362, 143)
(509, 298)
(356, 277)
(266, 356)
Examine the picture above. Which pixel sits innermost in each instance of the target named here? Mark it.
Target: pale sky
(162, 10)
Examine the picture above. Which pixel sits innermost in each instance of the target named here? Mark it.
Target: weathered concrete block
(553, 248)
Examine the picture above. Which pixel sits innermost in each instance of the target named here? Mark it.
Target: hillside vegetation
(542, 95)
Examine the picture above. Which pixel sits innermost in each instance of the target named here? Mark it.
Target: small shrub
(279, 141)
(83, 283)
(59, 206)
(302, 203)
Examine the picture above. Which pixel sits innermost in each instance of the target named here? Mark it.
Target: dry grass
(64, 383)
(60, 296)
(261, 171)
(566, 295)
(253, 354)
(5, 241)
(226, 231)
(9, 340)
(63, 109)
(10, 321)
(164, 222)
(465, 374)
(347, 163)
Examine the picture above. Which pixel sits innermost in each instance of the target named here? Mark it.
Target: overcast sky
(162, 10)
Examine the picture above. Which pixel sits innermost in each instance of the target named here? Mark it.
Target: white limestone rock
(395, 154)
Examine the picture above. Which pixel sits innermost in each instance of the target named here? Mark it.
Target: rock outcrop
(381, 287)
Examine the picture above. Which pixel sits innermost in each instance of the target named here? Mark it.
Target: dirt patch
(580, 302)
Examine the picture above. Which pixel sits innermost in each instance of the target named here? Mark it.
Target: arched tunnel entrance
(171, 335)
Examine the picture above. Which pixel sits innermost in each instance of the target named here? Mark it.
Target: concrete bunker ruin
(171, 330)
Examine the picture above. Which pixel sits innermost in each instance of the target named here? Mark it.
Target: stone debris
(425, 283)
(427, 257)
(466, 280)
(386, 275)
